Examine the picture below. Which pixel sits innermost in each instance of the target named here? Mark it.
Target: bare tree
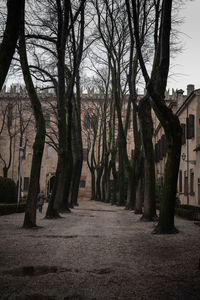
(156, 86)
(38, 147)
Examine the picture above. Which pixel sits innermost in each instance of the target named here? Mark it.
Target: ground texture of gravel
(99, 252)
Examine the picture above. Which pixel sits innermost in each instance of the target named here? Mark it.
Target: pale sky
(186, 66)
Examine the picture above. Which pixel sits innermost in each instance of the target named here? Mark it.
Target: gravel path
(98, 252)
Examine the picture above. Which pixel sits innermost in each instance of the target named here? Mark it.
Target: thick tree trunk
(173, 131)
(5, 172)
(93, 189)
(140, 185)
(52, 213)
(63, 170)
(114, 185)
(139, 197)
(77, 162)
(105, 179)
(122, 178)
(130, 203)
(156, 85)
(146, 126)
(98, 183)
(38, 146)
(76, 180)
(10, 37)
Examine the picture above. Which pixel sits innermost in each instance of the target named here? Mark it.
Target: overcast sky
(186, 66)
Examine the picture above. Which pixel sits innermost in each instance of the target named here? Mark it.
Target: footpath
(98, 252)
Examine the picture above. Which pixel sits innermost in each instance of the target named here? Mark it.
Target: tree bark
(38, 146)
(156, 85)
(146, 128)
(10, 37)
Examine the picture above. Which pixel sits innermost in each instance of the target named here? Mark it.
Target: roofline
(186, 101)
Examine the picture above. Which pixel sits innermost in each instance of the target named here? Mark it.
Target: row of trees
(118, 40)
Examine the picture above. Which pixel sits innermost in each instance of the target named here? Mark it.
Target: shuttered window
(82, 184)
(183, 134)
(185, 183)
(190, 127)
(180, 181)
(191, 182)
(26, 183)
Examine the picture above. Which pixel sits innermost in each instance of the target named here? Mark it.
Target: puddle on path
(35, 297)
(44, 270)
(100, 210)
(53, 236)
(101, 271)
(35, 271)
(43, 297)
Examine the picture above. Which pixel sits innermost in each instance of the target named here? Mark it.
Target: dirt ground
(98, 251)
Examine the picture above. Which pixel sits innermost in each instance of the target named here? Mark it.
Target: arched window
(90, 120)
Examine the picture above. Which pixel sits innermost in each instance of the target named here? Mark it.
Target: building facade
(187, 108)
(17, 130)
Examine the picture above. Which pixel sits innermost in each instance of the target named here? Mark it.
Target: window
(82, 184)
(26, 183)
(180, 181)
(48, 151)
(191, 182)
(183, 134)
(85, 154)
(90, 121)
(190, 127)
(185, 183)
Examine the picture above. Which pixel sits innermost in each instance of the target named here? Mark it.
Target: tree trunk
(63, 171)
(140, 185)
(98, 183)
(146, 126)
(173, 131)
(156, 85)
(77, 161)
(10, 37)
(38, 146)
(5, 172)
(130, 202)
(139, 196)
(93, 192)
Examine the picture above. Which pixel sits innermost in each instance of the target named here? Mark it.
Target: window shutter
(191, 124)
(26, 183)
(187, 128)
(180, 181)
(183, 134)
(185, 183)
(191, 182)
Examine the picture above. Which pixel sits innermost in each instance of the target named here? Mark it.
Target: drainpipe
(188, 200)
